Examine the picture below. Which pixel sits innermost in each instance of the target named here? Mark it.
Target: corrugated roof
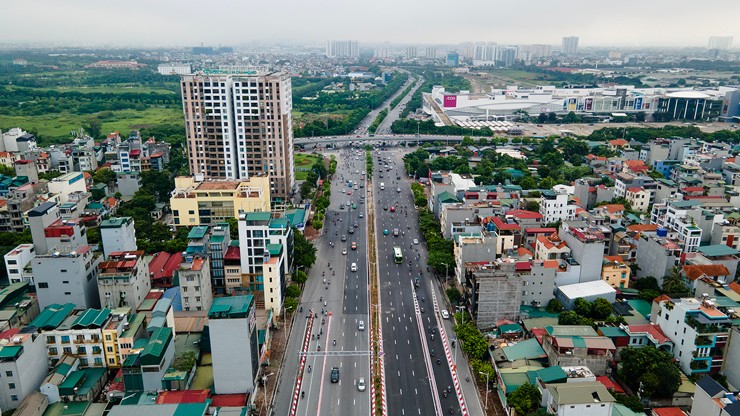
(135, 322)
(158, 342)
(91, 318)
(528, 349)
(198, 232)
(53, 316)
(232, 306)
(710, 386)
(718, 250)
(580, 393)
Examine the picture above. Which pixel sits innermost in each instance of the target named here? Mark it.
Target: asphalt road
(395, 113)
(408, 358)
(345, 292)
(370, 117)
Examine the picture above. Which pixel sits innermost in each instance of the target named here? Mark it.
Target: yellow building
(204, 202)
(615, 272)
(116, 325)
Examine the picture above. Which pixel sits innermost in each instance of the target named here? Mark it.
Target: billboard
(638, 103)
(450, 101)
(589, 104)
(572, 104)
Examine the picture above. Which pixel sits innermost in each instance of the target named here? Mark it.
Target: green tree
(93, 127)
(582, 307)
(303, 250)
(525, 399)
(547, 183)
(290, 305)
(674, 284)
(104, 175)
(293, 291)
(646, 283)
(528, 182)
(572, 318)
(454, 295)
(300, 277)
(632, 402)
(601, 308)
(542, 118)
(651, 367)
(554, 306)
(533, 206)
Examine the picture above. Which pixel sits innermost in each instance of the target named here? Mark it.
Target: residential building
(118, 234)
(492, 292)
(198, 202)
(657, 255)
(58, 374)
(162, 267)
(128, 183)
(342, 49)
(711, 399)
(570, 45)
(624, 181)
(218, 243)
(66, 332)
(578, 345)
(551, 247)
(65, 235)
(239, 126)
(616, 272)
(18, 306)
(647, 335)
(112, 331)
(67, 277)
(173, 69)
(699, 332)
(555, 206)
(717, 254)
(195, 282)
(145, 365)
(639, 198)
(67, 184)
(39, 218)
(732, 361)
(507, 234)
(472, 248)
(233, 333)
(18, 263)
(539, 281)
(578, 399)
(123, 279)
(22, 365)
(587, 247)
(721, 43)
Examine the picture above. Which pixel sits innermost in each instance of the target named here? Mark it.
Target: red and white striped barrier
(301, 366)
(453, 370)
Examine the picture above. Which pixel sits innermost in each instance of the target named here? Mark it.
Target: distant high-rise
(342, 49)
(570, 45)
(506, 55)
(411, 52)
(484, 52)
(720, 42)
(239, 124)
(453, 59)
(430, 52)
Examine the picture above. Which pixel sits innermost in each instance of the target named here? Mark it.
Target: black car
(351, 231)
(335, 374)
(344, 237)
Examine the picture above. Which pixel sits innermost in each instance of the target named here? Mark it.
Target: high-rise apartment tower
(570, 45)
(238, 125)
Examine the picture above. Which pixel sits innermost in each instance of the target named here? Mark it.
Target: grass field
(54, 127)
(303, 161)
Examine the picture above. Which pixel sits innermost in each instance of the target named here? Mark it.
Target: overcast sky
(240, 22)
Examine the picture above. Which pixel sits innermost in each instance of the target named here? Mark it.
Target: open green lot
(303, 163)
(54, 127)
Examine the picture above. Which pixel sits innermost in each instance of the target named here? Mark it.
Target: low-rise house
(578, 345)
(578, 399)
(148, 361)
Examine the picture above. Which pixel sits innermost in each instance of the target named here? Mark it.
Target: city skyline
(170, 23)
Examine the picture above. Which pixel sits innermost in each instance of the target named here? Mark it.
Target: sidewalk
(277, 353)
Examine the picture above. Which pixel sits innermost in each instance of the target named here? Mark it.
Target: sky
(162, 23)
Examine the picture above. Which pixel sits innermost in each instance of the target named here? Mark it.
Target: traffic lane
(441, 370)
(407, 380)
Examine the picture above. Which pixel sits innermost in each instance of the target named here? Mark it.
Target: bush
(554, 306)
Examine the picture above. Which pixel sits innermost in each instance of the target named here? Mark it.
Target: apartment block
(588, 246)
(239, 126)
(67, 184)
(196, 201)
(555, 206)
(18, 263)
(710, 398)
(195, 283)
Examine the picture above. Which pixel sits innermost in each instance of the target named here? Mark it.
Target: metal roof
(156, 346)
(91, 318)
(718, 250)
(230, 307)
(53, 315)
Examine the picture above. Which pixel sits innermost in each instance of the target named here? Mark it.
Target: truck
(382, 186)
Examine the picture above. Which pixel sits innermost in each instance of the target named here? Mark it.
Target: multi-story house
(674, 216)
(711, 398)
(118, 234)
(195, 282)
(587, 247)
(18, 263)
(22, 365)
(218, 243)
(80, 334)
(67, 277)
(577, 399)
(492, 292)
(144, 367)
(567, 345)
(555, 206)
(123, 279)
(699, 331)
(616, 272)
(233, 330)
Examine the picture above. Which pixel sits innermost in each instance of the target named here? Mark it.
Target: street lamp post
(461, 309)
(447, 271)
(285, 316)
(485, 374)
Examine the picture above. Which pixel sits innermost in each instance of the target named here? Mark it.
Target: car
(341, 207)
(343, 191)
(344, 237)
(385, 232)
(361, 214)
(381, 176)
(349, 192)
(362, 201)
(351, 230)
(353, 267)
(361, 384)
(398, 189)
(361, 326)
(362, 185)
(354, 206)
(445, 314)
(416, 241)
(385, 208)
(335, 374)
(349, 203)
(393, 209)
(344, 251)
(354, 246)
(395, 232)
(357, 225)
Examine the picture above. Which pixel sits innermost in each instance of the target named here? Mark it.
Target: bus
(397, 255)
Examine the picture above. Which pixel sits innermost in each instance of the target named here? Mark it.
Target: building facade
(118, 234)
(239, 125)
(233, 329)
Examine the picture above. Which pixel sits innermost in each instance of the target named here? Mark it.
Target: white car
(361, 215)
(361, 326)
(445, 314)
(353, 267)
(416, 241)
(344, 251)
(361, 384)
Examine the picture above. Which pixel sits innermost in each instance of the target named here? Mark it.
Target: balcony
(703, 341)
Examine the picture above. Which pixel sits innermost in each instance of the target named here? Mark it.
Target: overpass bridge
(376, 139)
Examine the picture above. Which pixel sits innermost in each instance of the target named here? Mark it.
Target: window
(107, 337)
(11, 385)
(109, 349)
(63, 270)
(14, 397)
(67, 350)
(65, 339)
(8, 374)
(43, 285)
